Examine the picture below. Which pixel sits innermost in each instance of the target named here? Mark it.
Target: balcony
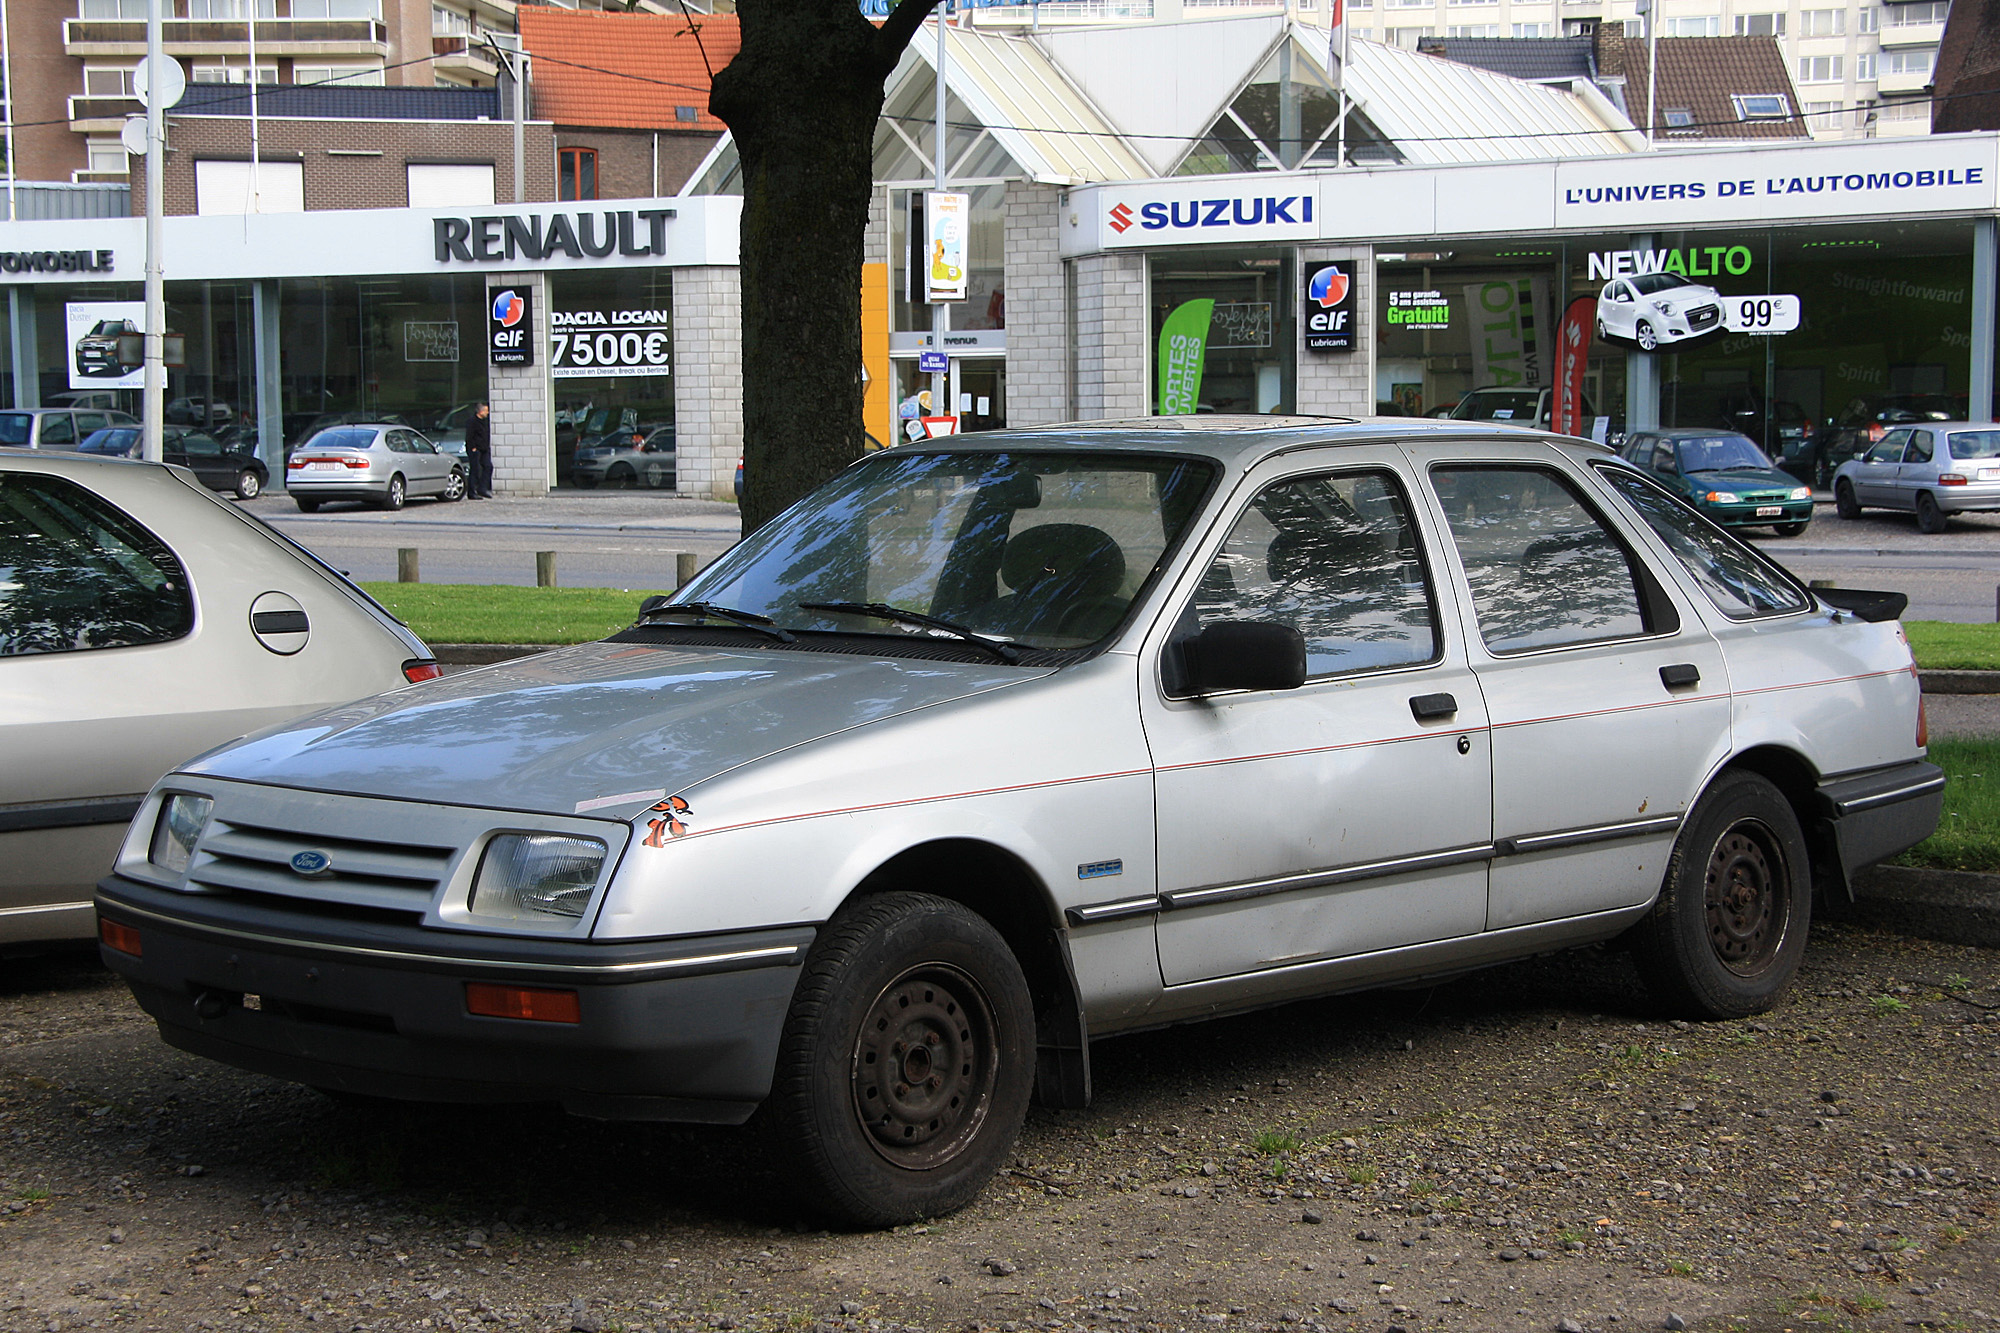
(1899, 35)
(225, 37)
(463, 56)
(1890, 84)
(90, 114)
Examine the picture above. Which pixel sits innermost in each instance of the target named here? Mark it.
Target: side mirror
(1245, 655)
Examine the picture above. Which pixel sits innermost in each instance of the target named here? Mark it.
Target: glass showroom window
(576, 173)
(1239, 306)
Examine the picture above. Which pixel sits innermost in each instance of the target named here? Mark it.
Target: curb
(1951, 906)
(486, 654)
(1960, 682)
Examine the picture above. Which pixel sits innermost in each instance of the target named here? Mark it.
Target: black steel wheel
(1727, 933)
(907, 1061)
(306, 506)
(1931, 518)
(1791, 529)
(621, 477)
(1844, 503)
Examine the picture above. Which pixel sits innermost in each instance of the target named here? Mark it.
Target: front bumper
(681, 1029)
(1748, 516)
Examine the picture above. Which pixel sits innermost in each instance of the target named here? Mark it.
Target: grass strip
(1943, 646)
(499, 613)
(1968, 835)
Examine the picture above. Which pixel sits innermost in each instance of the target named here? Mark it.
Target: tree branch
(897, 30)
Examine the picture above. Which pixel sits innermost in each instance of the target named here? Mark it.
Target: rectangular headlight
(182, 819)
(525, 875)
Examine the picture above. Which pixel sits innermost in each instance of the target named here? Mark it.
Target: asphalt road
(1954, 575)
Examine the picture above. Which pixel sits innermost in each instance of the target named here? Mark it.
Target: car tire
(1726, 936)
(454, 487)
(1643, 335)
(1790, 529)
(582, 482)
(306, 506)
(659, 476)
(1930, 517)
(621, 477)
(1602, 336)
(398, 492)
(1844, 503)
(893, 981)
(248, 484)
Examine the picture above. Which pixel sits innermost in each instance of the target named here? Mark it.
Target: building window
(1909, 16)
(1407, 38)
(232, 187)
(450, 185)
(449, 23)
(1905, 62)
(1819, 69)
(106, 157)
(1532, 29)
(232, 74)
(113, 9)
(576, 173)
(1635, 27)
(1767, 106)
(687, 115)
(1821, 22)
(1473, 30)
(1698, 26)
(230, 9)
(347, 76)
(337, 9)
(1918, 109)
(1760, 25)
(1472, 2)
(1677, 117)
(107, 81)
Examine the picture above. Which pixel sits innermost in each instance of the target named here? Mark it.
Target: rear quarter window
(1742, 584)
(77, 573)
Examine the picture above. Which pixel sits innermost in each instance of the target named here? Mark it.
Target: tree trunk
(802, 98)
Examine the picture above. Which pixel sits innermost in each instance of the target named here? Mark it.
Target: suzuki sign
(1209, 211)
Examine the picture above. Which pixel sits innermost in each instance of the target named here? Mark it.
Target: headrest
(1083, 561)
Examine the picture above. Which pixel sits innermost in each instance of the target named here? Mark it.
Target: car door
(1608, 700)
(1918, 470)
(1616, 311)
(202, 454)
(1874, 472)
(1351, 814)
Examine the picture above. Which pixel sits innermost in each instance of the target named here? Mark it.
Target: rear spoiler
(1869, 606)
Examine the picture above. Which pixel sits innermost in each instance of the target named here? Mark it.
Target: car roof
(1232, 439)
(1944, 425)
(1690, 432)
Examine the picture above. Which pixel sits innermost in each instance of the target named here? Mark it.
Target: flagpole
(1340, 81)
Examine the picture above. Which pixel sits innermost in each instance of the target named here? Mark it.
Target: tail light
(528, 1002)
(421, 668)
(1952, 479)
(120, 937)
(1923, 726)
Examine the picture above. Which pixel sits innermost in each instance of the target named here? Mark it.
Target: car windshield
(115, 442)
(1646, 284)
(1046, 550)
(1716, 453)
(342, 438)
(1497, 405)
(1975, 444)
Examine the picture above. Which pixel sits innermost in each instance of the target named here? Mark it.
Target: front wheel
(1790, 529)
(620, 478)
(659, 476)
(1930, 518)
(1844, 503)
(454, 486)
(248, 485)
(1730, 926)
(1645, 337)
(907, 1061)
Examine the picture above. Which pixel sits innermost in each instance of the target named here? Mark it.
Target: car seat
(1063, 578)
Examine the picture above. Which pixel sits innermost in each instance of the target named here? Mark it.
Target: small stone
(1290, 1317)
(253, 1290)
(1366, 1236)
(1829, 1096)
(1311, 1218)
(194, 1169)
(1000, 1268)
(852, 1308)
(584, 1323)
(1673, 1321)
(1509, 1255)
(1568, 1326)
(1147, 1254)
(117, 1236)
(1538, 1254)
(1210, 1169)
(628, 1245)
(1345, 1306)
(1043, 1301)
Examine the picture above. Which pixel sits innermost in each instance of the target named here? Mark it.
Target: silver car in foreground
(996, 745)
(142, 621)
(1934, 471)
(380, 465)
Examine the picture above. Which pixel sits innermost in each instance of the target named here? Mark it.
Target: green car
(1726, 476)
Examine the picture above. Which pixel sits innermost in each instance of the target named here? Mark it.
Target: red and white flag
(1336, 54)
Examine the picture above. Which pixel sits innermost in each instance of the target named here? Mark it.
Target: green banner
(1183, 344)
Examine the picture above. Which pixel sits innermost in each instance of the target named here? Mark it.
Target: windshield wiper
(660, 606)
(1006, 652)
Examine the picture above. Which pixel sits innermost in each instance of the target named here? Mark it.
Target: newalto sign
(599, 234)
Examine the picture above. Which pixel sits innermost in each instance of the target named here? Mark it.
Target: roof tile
(626, 71)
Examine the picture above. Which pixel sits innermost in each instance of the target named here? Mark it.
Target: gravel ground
(1529, 1148)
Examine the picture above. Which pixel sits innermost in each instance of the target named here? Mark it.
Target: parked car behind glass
(111, 677)
(55, 427)
(998, 743)
(379, 465)
(229, 467)
(1725, 475)
(639, 457)
(1934, 471)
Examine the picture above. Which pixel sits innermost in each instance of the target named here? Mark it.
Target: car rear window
(342, 438)
(1975, 444)
(77, 573)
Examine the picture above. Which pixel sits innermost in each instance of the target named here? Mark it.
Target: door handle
(1680, 675)
(1425, 707)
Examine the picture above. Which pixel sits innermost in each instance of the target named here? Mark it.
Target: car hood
(1742, 479)
(600, 728)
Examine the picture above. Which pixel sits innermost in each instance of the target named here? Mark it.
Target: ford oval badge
(311, 863)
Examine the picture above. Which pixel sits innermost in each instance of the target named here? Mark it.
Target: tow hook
(211, 1004)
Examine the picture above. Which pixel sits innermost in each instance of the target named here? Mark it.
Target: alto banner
(1510, 331)
(1572, 357)
(1183, 345)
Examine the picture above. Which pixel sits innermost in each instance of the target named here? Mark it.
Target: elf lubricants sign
(1204, 211)
(510, 326)
(1329, 309)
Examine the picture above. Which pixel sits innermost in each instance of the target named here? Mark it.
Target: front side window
(1740, 582)
(77, 573)
(1544, 570)
(1889, 449)
(1042, 550)
(1335, 557)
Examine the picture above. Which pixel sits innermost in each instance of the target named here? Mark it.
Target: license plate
(323, 467)
(1769, 511)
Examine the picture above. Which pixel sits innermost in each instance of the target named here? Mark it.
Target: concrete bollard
(1822, 583)
(686, 565)
(545, 569)
(406, 565)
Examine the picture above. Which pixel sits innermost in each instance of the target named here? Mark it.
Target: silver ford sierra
(995, 745)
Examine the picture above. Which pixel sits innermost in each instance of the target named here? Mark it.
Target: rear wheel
(1844, 503)
(907, 1061)
(398, 492)
(1930, 518)
(306, 506)
(248, 485)
(1730, 926)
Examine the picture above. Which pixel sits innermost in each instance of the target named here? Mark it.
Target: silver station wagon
(997, 745)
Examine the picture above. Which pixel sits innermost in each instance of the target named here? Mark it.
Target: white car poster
(106, 342)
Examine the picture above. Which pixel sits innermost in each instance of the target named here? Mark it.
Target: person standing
(479, 452)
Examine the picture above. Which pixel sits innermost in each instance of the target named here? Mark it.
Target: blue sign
(933, 363)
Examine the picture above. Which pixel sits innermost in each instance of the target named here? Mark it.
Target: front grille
(361, 873)
(1704, 317)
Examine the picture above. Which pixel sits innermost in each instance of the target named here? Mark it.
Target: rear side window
(1741, 583)
(1336, 558)
(58, 428)
(1544, 570)
(15, 427)
(77, 573)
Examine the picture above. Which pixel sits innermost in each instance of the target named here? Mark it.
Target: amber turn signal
(530, 1002)
(122, 938)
